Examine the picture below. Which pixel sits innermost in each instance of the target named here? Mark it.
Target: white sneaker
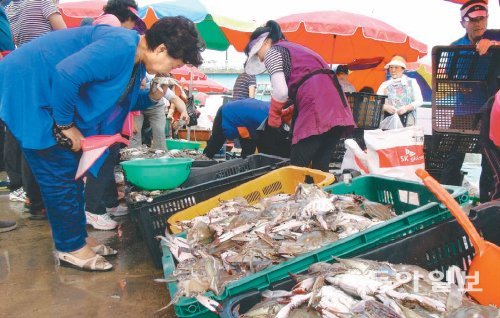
(100, 221)
(17, 195)
(119, 210)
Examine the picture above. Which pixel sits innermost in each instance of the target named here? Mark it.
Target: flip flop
(93, 264)
(104, 250)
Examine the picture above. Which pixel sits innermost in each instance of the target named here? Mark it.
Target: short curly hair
(119, 8)
(180, 36)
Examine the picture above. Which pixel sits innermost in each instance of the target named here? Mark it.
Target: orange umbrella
(342, 37)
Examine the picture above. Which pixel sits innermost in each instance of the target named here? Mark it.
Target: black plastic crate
(339, 150)
(461, 84)
(203, 163)
(434, 158)
(205, 183)
(448, 142)
(233, 167)
(436, 248)
(366, 109)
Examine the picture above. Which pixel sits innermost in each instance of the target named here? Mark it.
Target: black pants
(12, 160)
(452, 175)
(316, 150)
(101, 192)
(489, 184)
(273, 141)
(19, 171)
(218, 139)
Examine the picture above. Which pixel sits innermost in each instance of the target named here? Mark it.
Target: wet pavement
(32, 285)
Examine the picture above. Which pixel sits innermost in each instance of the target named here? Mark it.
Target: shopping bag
(391, 122)
(354, 158)
(397, 152)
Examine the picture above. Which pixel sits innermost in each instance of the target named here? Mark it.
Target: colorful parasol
(341, 37)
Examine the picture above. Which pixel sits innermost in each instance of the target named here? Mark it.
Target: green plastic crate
(416, 207)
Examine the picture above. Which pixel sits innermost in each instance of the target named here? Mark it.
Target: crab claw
(209, 303)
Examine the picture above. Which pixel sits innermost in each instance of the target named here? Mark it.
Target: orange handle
(455, 209)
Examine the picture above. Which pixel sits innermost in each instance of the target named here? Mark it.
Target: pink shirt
(108, 19)
(495, 121)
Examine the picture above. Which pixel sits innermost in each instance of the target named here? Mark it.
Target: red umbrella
(342, 37)
(74, 12)
(205, 86)
(186, 71)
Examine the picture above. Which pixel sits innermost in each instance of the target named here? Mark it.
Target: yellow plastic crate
(283, 180)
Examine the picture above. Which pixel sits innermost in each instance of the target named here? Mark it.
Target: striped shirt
(29, 19)
(277, 59)
(242, 85)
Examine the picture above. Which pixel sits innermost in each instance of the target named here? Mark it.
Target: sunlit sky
(433, 22)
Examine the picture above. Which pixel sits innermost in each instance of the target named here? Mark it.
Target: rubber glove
(287, 113)
(275, 112)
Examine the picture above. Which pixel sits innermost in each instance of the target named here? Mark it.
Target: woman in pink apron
(300, 77)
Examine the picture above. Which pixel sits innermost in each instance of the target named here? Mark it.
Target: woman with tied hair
(300, 77)
(83, 88)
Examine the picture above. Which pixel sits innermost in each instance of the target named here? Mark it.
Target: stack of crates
(462, 82)
(417, 210)
(367, 112)
(435, 248)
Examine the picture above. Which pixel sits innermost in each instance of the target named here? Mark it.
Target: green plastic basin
(182, 144)
(158, 173)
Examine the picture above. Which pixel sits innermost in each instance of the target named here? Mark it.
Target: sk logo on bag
(401, 156)
(409, 152)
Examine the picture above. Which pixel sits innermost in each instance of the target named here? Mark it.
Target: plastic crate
(202, 184)
(203, 163)
(283, 180)
(366, 109)
(339, 150)
(434, 158)
(462, 83)
(448, 142)
(435, 248)
(233, 167)
(151, 218)
(416, 206)
(211, 170)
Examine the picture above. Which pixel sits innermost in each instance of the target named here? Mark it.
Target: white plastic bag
(391, 122)
(396, 153)
(354, 158)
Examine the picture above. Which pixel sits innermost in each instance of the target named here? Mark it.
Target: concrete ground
(32, 285)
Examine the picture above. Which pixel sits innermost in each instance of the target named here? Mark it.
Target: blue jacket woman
(237, 119)
(83, 82)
